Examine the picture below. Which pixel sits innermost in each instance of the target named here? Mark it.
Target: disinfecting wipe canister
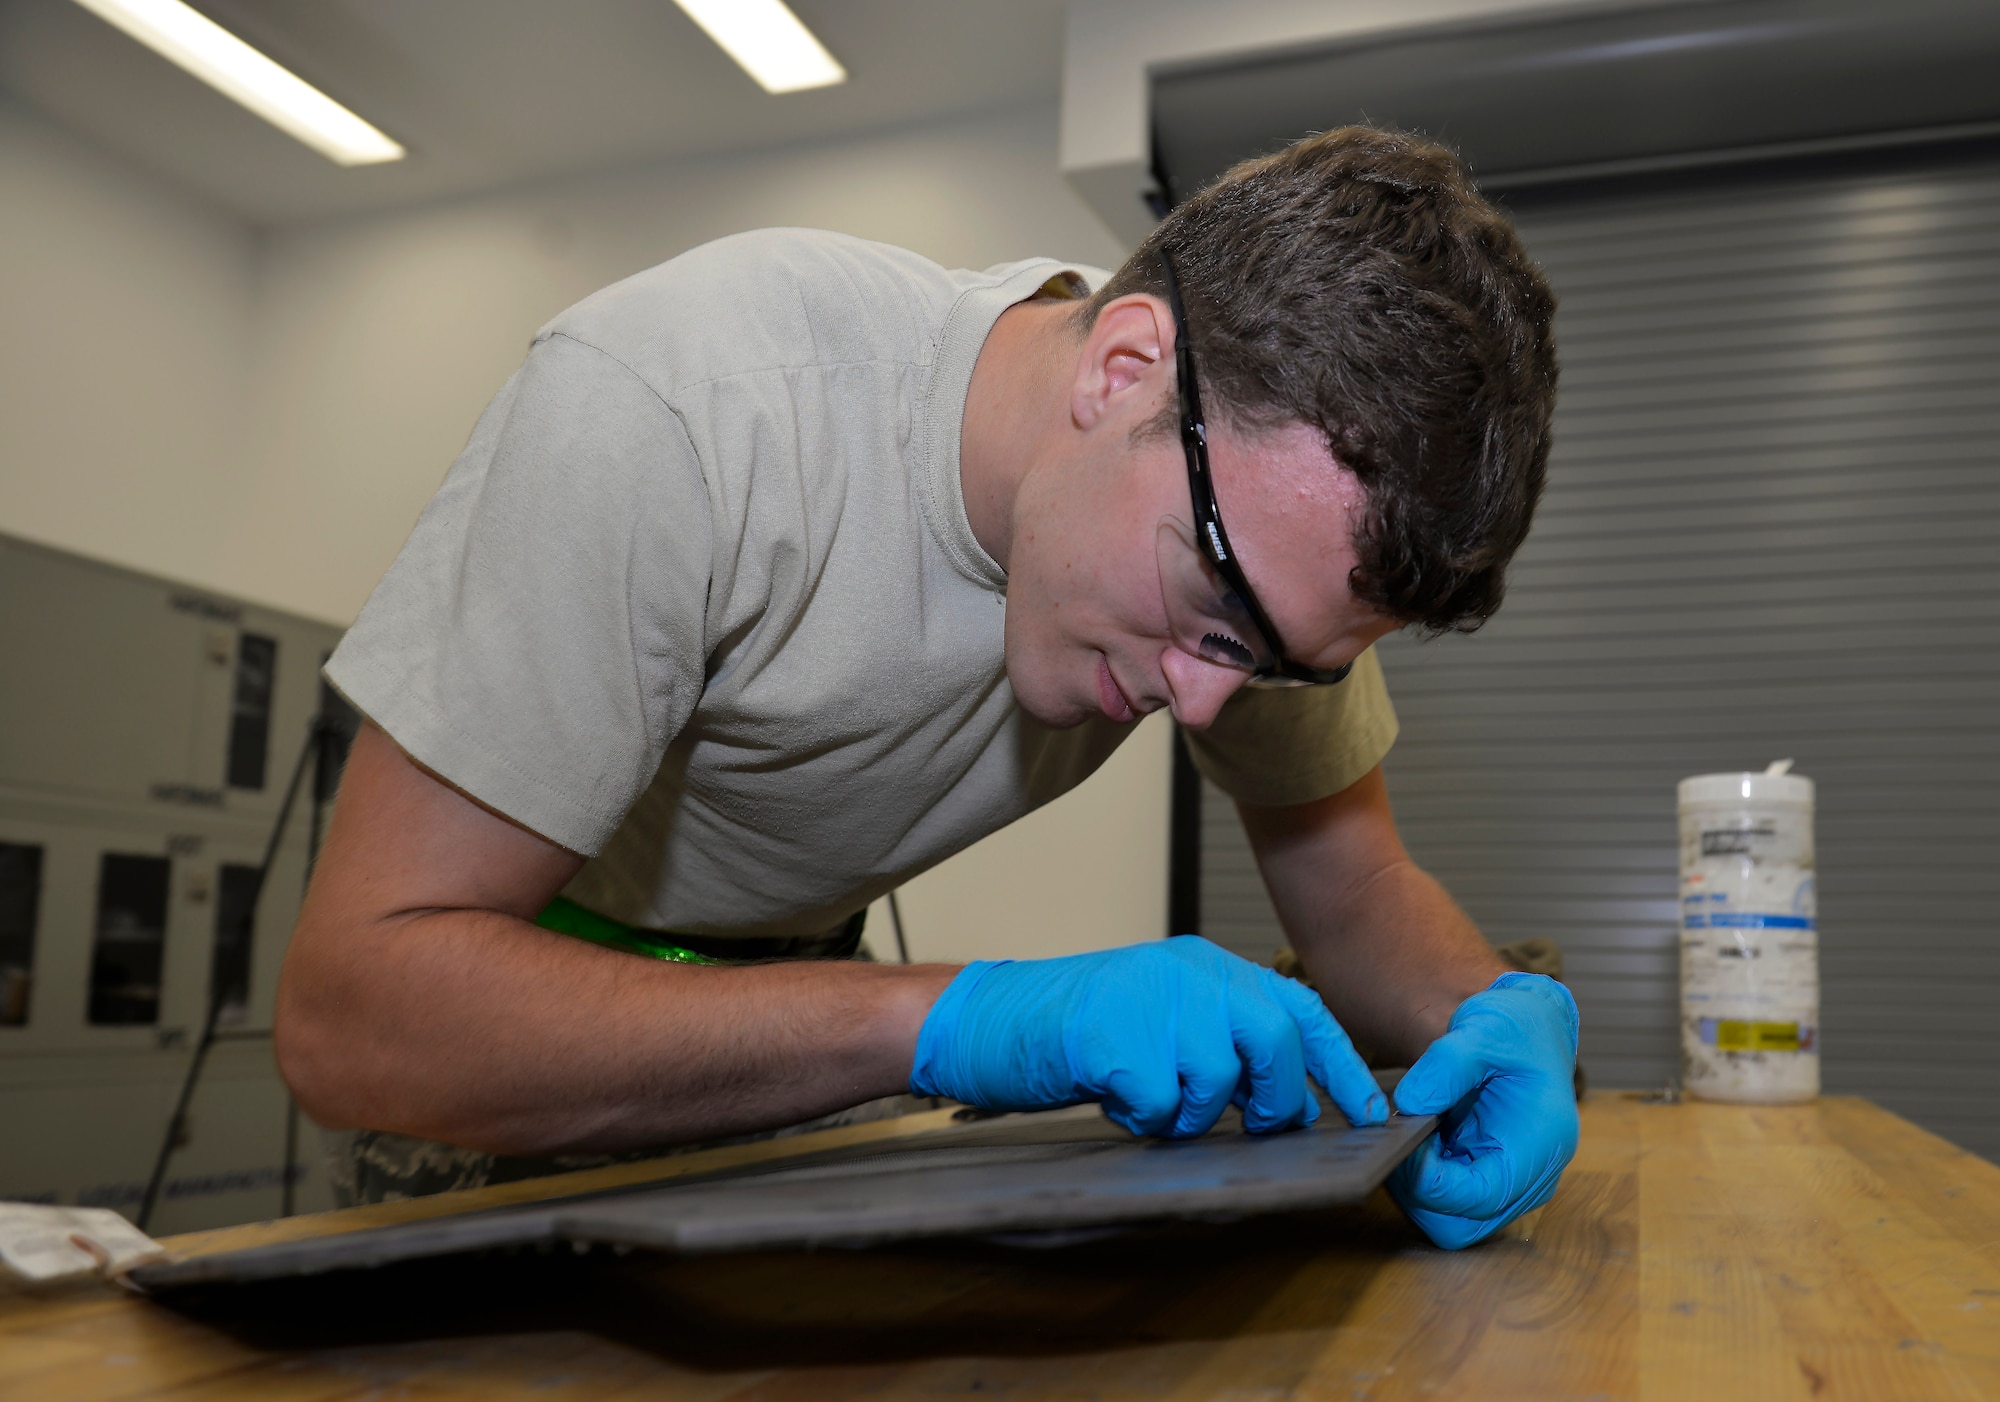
(1749, 937)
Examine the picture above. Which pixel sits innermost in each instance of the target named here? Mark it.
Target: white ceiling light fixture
(769, 41)
(234, 69)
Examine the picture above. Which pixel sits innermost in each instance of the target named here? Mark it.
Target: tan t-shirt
(699, 600)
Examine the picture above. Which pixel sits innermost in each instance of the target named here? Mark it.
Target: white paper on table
(39, 1243)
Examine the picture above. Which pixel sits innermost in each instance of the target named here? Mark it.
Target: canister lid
(1776, 784)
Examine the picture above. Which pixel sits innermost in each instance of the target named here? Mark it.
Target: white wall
(266, 415)
(123, 360)
(380, 339)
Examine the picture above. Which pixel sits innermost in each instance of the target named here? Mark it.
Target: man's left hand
(1502, 1078)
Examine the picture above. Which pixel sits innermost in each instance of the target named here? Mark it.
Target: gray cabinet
(146, 734)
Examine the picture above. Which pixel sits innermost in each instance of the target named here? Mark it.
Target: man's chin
(1057, 717)
(1049, 707)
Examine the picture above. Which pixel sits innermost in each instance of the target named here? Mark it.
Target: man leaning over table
(784, 570)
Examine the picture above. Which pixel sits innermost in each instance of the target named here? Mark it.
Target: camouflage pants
(369, 1165)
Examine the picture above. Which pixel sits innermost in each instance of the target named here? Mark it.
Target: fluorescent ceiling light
(230, 66)
(768, 40)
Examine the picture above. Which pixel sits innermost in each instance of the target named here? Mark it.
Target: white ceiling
(493, 92)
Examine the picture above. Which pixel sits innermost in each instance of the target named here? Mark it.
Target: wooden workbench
(1694, 1252)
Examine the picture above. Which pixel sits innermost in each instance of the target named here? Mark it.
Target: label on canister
(1749, 939)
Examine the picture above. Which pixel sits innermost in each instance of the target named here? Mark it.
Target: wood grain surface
(1694, 1251)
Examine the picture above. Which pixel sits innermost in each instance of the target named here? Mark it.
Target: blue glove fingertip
(1330, 1056)
(1450, 1069)
(1414, 1099)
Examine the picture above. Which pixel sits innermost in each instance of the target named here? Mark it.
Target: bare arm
(418, 997)
(1392, 954)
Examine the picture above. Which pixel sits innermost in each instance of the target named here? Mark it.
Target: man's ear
(1124, 360)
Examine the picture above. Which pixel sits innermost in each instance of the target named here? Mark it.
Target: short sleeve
(1282, 746)
(539, 640)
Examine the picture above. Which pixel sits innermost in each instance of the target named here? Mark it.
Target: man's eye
(1220, 647)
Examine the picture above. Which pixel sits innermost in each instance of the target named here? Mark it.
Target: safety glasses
(1211, 609)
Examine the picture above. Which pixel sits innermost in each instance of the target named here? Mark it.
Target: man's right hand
(1166, 1035)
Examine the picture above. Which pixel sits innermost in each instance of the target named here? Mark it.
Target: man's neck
(1017, 402)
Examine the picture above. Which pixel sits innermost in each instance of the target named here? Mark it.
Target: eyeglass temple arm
(1194, 434)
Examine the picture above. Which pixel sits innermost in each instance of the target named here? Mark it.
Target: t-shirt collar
(966, 327)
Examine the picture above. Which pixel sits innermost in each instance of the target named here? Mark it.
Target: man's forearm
(1390, 951)
(481, 1029)
(417, 997)
(1397, 963)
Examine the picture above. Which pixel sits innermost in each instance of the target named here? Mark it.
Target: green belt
(566, 917)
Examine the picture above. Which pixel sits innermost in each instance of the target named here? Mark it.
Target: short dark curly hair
(1358, 282)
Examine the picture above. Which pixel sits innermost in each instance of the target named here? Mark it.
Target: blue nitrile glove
(1167, 1035)
(1502, 1077)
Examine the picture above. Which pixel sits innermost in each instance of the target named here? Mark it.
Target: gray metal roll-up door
(1772, 530)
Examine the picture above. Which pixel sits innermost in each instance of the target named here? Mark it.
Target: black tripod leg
(178, 1122)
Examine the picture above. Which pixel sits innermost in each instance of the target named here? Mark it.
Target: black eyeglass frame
(1209, 533)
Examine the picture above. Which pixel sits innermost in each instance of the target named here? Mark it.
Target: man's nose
(1199, 687)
